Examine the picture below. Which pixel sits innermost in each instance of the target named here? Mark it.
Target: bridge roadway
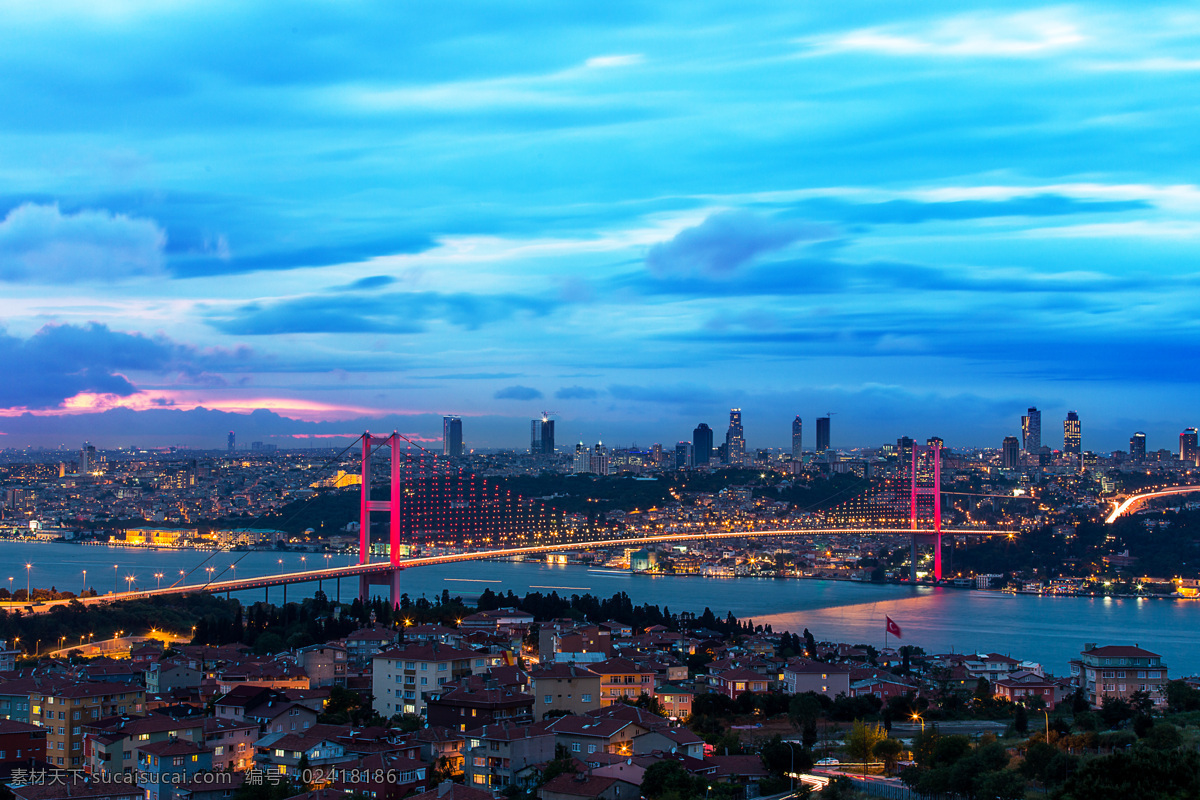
(384, 567)
(1134, 500)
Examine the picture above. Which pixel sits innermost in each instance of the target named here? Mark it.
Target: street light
(209, 570)
(84, 580)
(28, 567)
(116, 567)
(159, 577)
(281, 566)
(129, 583)
(917, 718)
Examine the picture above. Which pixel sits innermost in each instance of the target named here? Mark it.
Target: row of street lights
(158, 576)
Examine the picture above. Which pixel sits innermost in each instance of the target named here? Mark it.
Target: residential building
(469, 707)
(21, 746)
(502, 755)
(572, 688)
(1118, 671)
(162, 765)
(404, 676)
(803, 675)
(620, 677)
(63, 710)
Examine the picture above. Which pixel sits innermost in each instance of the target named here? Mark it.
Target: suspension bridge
(432, 505)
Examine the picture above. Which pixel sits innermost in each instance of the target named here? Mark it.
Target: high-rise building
(735, 439)
(822, 434)
(702, 445)
(87, 459)
(1031, 430)
(452, 436)
(1010, 452)
(583, 459)
(683, 455)
(231, 442)
(797, 438)
(541, 436)
(1072, 436)
(599, 461)
(904, 449)
(1137, 447)
(1188, 451)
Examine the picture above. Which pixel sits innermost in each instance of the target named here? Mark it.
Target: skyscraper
(702, 445)
(1137, 447)
(231, 442)
(583, 459)
(452, 436)
(797, 438)
(735, 439)
(1072, 437)
(1031, 430)
(683, 455)
(822, 434)
(87, 459)
(1009, 452)
(541, 436)
(599, 462)
(1188, 450)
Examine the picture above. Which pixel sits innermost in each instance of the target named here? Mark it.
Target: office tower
(1031, 430)
(904, 449)
(1009, 452)
(583, 459)
(231, 442)
(87, 459)
(822, 434)
(735, 439)
(797, 438)
(683, 455)
(1137, 447)
(702, 445)
(1188, 451)
(599, 461)
(452, 436)
(1072, 437)
(541, 435)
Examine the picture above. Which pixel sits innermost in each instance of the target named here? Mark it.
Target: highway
(383, 567)
(1135, 500)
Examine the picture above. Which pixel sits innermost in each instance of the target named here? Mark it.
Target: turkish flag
(893, 628)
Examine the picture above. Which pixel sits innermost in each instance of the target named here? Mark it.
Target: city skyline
(641, 219)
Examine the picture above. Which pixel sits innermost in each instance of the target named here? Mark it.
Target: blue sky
(365, 215)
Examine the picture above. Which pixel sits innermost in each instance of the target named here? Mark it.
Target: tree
(666, 776)
(1021, 720)
(1181, 697)
(1114, 711)
(888, 751)
(861, 741)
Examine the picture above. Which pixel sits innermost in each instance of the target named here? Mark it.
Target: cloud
(40, 244)
(59, 362)
(201, 262)
(683, 394)
(607, 62)
(391, 312)
(723, 243)
(517, 393)
(1020, 35)
(576, 393)
(902, 212)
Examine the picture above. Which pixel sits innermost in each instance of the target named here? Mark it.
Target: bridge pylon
(925, 501)
(392, 506)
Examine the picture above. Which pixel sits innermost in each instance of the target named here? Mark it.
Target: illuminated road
(384, 567)
(1137, 499)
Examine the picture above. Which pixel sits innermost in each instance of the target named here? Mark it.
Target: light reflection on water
(1050, 630)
